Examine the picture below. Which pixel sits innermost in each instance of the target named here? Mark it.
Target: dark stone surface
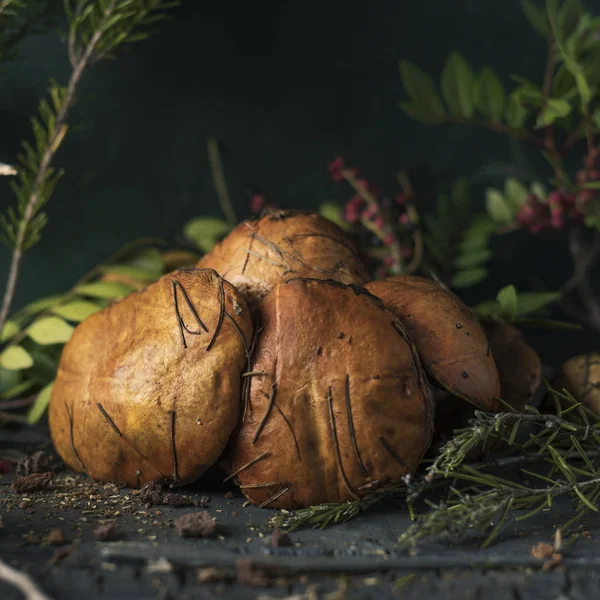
(356, 560)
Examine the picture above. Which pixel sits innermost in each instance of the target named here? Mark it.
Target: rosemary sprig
(95, 30)
(483, 497)
(323, 515)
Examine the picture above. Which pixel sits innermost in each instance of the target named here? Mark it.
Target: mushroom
(329, 416)
(519, 366)
(149, 388)
(257, 255)
(580, 376)
(451, 342)
(520, 374)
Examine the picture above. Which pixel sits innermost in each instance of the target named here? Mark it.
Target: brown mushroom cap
(448, 337)
(338, 403)
(149, 388)
(581, 377)
(519, 366)
(257, 255)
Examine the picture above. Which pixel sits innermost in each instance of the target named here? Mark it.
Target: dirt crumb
(196, 524)
(31, 483)
(106, 532)
(280, 539)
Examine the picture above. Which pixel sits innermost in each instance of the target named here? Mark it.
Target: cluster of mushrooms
(277, 358)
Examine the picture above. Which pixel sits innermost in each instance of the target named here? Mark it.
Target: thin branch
(18, 579)
(519, 134)
(584, 258)
(50, 151)
(216, 168)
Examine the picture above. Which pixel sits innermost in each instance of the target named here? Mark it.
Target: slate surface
(149, 560)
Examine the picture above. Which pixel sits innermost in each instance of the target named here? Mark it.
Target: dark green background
(285, 87)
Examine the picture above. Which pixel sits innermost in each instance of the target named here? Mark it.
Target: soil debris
(280, 539)
(106, 532)
(196, 524)
(31, 483)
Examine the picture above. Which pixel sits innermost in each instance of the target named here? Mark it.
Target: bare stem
(584, 257)
(21, 581)
(216, 167)
(50, 151)
(519, 134)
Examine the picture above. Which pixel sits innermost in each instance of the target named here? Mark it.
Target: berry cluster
(387, 220)
(560, 209)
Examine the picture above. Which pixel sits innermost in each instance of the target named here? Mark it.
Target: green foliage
(457, 86)
(489, 95)
(50, 330)
(205, 232)
(15, 358)
(116, 23)
(425, 104)
(510, 305)
(334, 212)
(19, 18)
(457, 240)
(22, 227)
(503, 205)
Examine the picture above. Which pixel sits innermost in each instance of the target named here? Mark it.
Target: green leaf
(457, 86)
(17, 390)
(553, 109)
(9, 330)
(8, 380)
(205, 232)
(497, 207)
(533, 301)
(15, 358)
(515, 193)
(77, 310)
(488, 308)
(489, 95)
(539, 191)
(569, 16)
(421, 90)
(135, 273)
(536, 16)
(40, 405)
(42, 304)
(420, 113)
(50, 330)
(148, 259)
(110, 290)
(507, 299)
(334, 212)
(467, 278)
(472, 259)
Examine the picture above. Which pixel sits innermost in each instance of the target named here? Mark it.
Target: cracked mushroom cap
(580, 376)
(451, 342)
(257, 255)
(149, 388)
(337, 405)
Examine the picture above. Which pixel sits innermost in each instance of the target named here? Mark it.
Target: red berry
(389, 239)
(336, 164)
(257, 203)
